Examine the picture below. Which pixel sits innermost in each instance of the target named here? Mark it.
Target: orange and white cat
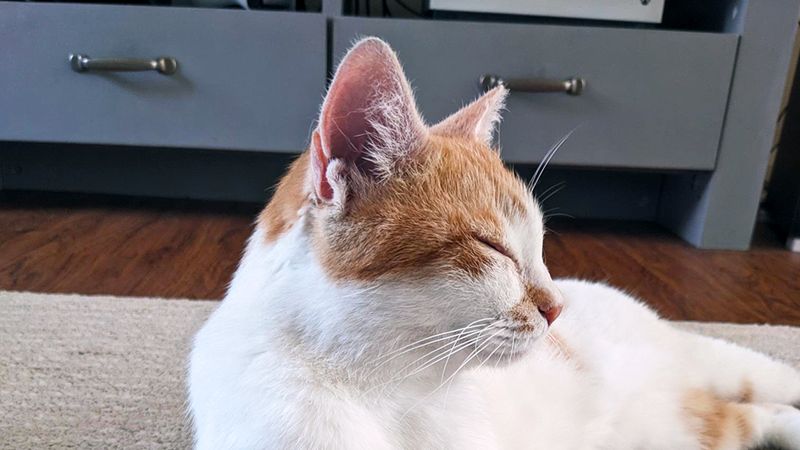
(394, 295)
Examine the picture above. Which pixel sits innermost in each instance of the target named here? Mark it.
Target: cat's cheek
(504, 288)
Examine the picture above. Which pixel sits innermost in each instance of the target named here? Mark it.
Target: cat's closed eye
(497, 247)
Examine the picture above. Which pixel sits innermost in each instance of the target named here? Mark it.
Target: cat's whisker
(513, 344)
(548, 231)
(430, 340)
(442, 356)
(547, 157)
(546, 218)
(436, 350)
(550, 188)
(551, 191)
(474, 337)
(546, 160)
(447, 361)
(476, 352)
(478, 348)
(489, 358)
(470, 338)
(540, 168)
(419, 344)
(391, 356)
(425, 365)
(549, 216)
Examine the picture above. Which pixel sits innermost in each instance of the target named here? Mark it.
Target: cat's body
(393, 295)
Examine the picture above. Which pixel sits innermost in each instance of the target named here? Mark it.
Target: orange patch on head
(393, 196)
(425, 216)
(716, 421)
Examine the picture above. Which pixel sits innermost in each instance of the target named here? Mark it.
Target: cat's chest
(444, 420)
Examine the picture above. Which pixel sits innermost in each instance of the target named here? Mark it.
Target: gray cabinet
(691, 112)
(654, 99)
(247, 80)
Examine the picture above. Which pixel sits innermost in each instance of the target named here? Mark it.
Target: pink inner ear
(343, 122)
(476, 120)
(369, 115)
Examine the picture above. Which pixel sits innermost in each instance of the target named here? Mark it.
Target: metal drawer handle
(83, 63)
(571, 86)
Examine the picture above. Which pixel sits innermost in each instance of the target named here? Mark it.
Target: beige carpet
(105, 372)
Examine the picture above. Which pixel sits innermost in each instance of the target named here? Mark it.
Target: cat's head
(423, 224)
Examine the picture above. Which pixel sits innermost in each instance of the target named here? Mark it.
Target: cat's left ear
(476, 120)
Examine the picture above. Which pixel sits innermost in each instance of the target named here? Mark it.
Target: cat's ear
(369, 121)
(476, 120)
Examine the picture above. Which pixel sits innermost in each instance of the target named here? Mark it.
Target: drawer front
(654, 99)
(246, 80)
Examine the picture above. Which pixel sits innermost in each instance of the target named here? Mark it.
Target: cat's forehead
(429, 214)
(476, 174)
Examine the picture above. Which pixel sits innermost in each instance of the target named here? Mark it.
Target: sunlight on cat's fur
(394, 295)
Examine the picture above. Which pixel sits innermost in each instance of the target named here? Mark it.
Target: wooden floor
(168, 248)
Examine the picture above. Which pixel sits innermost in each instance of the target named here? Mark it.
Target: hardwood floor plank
(119, 246)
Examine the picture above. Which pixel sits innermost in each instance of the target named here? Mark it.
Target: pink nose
(551, 313)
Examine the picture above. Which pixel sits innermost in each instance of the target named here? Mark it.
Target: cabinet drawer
(654, 99)
(246, 80)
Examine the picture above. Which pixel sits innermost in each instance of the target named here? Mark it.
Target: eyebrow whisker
(547, 157)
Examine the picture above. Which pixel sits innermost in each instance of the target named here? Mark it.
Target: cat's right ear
(368, 124)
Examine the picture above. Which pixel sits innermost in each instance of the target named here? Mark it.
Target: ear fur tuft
(477, 120)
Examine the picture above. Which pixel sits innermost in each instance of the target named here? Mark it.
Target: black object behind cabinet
(783, 192)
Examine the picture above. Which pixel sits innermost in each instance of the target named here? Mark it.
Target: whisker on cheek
(432, 361)
(447, 361)
(439, 349)
(472, 332)
(442, 356)
(479, 348)
(434, 338)
(513, 346)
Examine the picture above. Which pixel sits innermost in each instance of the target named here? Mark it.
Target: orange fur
(290, 196)
(428, 215)
(746, 394)
(563, 348)
(717, 421)
(534, 299)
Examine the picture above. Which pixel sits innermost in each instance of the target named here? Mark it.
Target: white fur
(288, 361)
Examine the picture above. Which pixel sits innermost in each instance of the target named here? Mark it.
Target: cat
(394, 295)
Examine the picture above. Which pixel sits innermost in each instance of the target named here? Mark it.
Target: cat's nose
(551, 313)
